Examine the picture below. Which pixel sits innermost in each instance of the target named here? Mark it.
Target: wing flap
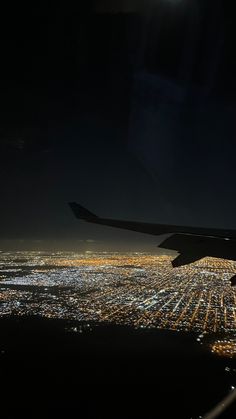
(185, 259)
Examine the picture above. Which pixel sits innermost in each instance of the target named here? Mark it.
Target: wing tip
(81, 212)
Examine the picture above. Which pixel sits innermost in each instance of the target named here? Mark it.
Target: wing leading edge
(193, 243)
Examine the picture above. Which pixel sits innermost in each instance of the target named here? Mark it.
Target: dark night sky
(126, 107)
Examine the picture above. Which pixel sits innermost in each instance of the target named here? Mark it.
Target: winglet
(81, 212)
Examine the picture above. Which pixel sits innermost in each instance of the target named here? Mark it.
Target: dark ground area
(109, 371)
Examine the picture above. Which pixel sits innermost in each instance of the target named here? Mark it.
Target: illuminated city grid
(135, 289)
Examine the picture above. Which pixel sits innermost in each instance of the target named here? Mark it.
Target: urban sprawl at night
(135, 289)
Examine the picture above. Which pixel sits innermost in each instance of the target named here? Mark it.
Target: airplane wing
(192, 243)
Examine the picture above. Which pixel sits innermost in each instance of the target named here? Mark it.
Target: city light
(225, 348)
(139, 290)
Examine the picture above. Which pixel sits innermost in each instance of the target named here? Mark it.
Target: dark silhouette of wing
(193, 243)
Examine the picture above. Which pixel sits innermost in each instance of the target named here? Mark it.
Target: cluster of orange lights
(225, 348)
(111, 261)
